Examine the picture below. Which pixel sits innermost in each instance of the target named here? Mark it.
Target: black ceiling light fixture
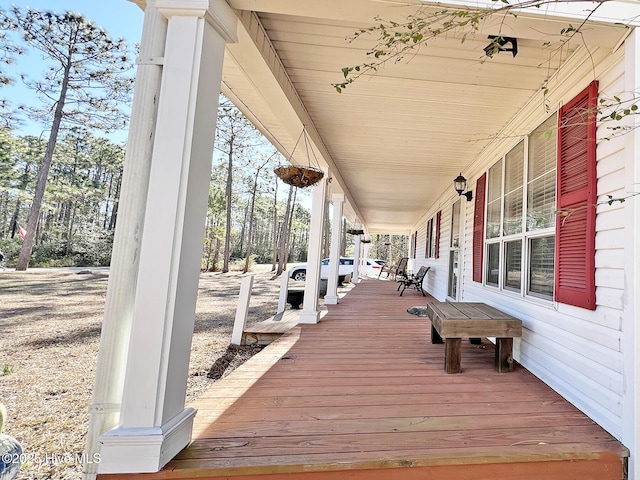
(460, 184)
(498, 43)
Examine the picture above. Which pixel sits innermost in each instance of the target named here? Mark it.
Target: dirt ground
(50, 323)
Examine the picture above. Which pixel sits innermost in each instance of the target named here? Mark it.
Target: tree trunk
(216, 253)
(283, 241)
(243, 229)
(14, 219)
(290, 227)
(228, 191)
(251, 211)
(72, 217)
(274, 245)
(43, 173)
(114, 210)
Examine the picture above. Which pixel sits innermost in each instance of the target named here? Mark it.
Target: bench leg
(435, 336)
(504, 354)
(452, 354)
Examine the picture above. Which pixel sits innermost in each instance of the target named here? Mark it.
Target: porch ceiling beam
(255, 56)
(531, 24)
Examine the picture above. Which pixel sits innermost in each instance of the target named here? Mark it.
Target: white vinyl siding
(576, 351)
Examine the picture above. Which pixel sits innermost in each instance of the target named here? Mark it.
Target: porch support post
(355, 279)
(154, 423)
(104, 411)
(331, 298)
(631, 345)
(310, 312)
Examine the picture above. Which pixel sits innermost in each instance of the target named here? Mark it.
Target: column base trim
(309, 317)
(145, 450)
(331, 299)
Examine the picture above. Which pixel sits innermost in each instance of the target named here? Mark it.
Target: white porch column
(154, 423)
(365, 256)
(331, 298)
(116, 326)
(631, 345)
(310, 312)
(355, 279)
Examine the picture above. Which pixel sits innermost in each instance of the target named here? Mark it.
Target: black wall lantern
(460, 184)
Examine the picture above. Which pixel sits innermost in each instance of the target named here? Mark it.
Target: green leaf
(346, 71)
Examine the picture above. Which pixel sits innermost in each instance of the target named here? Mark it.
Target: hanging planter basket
(353, 231)
(365, 241)
(299, 176)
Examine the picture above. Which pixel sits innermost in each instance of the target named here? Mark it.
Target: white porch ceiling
(394, 140)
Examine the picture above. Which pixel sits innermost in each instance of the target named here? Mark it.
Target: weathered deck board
(363, 395)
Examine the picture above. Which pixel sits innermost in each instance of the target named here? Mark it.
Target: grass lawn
(50, 322)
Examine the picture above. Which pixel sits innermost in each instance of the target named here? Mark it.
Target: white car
(299, 272)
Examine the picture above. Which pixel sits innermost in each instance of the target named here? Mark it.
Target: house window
(429, 237)
(551, 174)
(520, 219)
(432, 249)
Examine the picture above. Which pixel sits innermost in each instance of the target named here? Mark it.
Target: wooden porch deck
(363, 395)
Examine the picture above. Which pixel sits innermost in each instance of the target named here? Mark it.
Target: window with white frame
(520, 219)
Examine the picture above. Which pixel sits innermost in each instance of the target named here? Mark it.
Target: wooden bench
(453, 321)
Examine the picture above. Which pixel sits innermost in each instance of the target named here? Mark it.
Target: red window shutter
(414, 241)
(427, 239)
(575, 281)
(436, 254)
(478, 228)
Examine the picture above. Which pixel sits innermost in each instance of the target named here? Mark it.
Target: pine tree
(86, 83)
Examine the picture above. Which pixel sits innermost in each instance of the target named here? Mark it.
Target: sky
(120, 18)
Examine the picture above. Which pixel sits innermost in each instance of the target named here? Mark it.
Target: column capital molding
(217, 13)
(337, 197)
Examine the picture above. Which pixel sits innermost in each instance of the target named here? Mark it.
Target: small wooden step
(265, 332)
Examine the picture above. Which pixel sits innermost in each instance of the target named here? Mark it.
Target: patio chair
(389, 270)
(413, 281)
(401, 269)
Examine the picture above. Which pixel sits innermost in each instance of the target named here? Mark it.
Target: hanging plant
(300, 176)
(353, 231)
